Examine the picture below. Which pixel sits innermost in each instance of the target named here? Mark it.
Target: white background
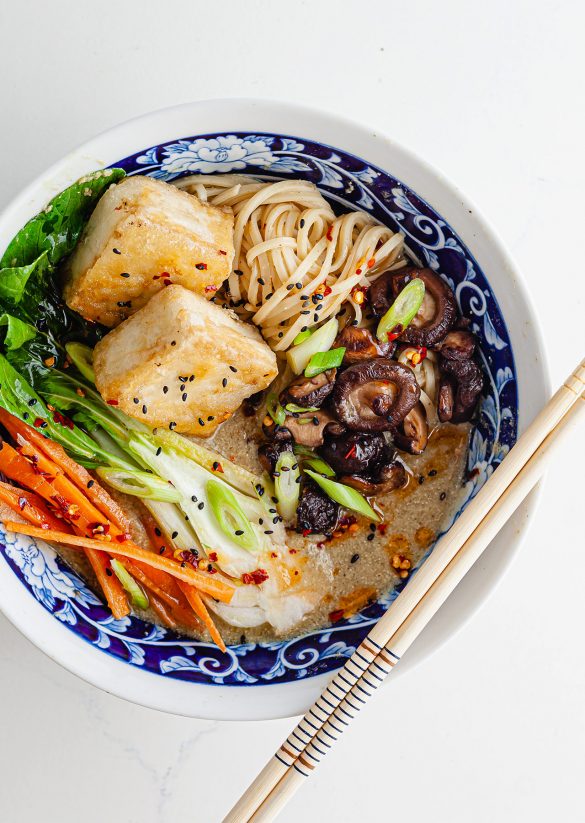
(492, 728)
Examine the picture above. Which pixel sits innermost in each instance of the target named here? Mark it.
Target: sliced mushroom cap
(353, 452)
(457, 345)
(268, 453)
(309, 391)
(385, 479)
(308, 428)
(466, 380)
(446, 399)
(316, 513)
(360, 344)
(413, 433)
(375, 395)
(437, 313)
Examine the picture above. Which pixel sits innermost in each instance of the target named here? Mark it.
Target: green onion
(230, 516)
(139, 484)
(285, 484)
(344, 495)
(323, 360)
(294, 409)
(137, 594)
(320, 340)
(82, 357)
(320, 466)
(402, 311)
(275, 410)
(302, 335)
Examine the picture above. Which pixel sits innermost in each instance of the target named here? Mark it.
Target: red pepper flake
(112, 402)
(210, 288)
(292, 551)
(327, 291)
(256, 577)
(122, 538)
(335, 616)
(221, 251)
(201, 266)
(217, 467)
(62, 420)
(213, 557)
(352, 452)
(358, 271)
(330, 233)
(371, 262)
(38, 422)
(273, 554)
(306, 532)
(382, 527)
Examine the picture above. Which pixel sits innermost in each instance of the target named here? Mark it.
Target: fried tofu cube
(182, 362)
(142, 236)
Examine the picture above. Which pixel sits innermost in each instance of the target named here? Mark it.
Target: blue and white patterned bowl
(353, 169)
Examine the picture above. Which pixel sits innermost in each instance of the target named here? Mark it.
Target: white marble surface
(492, 728)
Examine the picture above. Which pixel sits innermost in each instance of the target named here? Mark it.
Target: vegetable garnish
(302, 335)
(344, 495)
(294, 409)
(286, 485)
(320, 341)
(322, 361)
(82, 357)
(138, 596)
(139, 484)
(319, 465)
(230, 516)
(275, 410)
(204, 582)
(402, 311)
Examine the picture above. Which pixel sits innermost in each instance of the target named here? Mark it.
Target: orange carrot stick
(76, 473)
(202, 612)
(149, 580)
(111, 586)
(30, 506)
(204, 582)
(14, 466)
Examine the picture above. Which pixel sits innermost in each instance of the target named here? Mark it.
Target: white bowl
(128, 679)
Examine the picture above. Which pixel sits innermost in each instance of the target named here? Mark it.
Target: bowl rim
(287, 699)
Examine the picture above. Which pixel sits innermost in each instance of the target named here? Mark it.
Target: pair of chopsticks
(389, 639)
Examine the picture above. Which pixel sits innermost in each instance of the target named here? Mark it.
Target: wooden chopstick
(378, 653)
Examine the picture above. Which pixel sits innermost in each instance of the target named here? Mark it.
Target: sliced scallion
(319, 465)
(139, 484)
(344, 495)
(402, 311)
(321, 340)
(82, 357)
(275, 410)
(230, 515)
(302, 335)
(323, 360)
(294, 409)
(286, 487)
(137, 594)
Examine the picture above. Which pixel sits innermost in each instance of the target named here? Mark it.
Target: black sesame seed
(135, 400)
(238, 272)
(304, 296)
(261, 281)
(158, 451)
(224, 382)
(109, 572)
(184, 396)
(31, 402)
(275, 474)
(306, 311)
(200, 505)
(274, 499)
(174, 535)
(239, 532)
(201, 266)
(193, 498)
(305, 328)
(124, 303)
(165, 389)
(370, 537)
(124, 274)
(302, 223)
(432, 472)
(144, 409)
(315, 421)
(316, 317)
(290, 286)
(215, 466)
(201, 421)
(299, 285)
(191, 378)
(173, 342)
(90, 483)
(268, 531)
(280, 334)
(116, 251)
(275, 520)
(354, 323)
(443, 495)
(260, 520)
(354, 558)
(242, 638)
(25, 415)
(161, 550)
(157, 531)
(421, 480)
(372, 527)
(210, 418)
(233, 368)
(172, 425)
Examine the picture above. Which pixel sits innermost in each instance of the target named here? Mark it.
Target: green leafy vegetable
(230, 516)
(286, 484)
(137, 594)
(57, 228)
(139, 484)
(82, 358)
(294, 409)
(14, 280)
(344, 495)
(321, 340)
(17, 332)
(402, 311)
(323, 360)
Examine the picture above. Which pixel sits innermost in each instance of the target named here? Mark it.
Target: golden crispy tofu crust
(183, 363)
(142, 236)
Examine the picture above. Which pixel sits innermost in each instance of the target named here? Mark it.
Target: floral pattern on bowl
(348, 182)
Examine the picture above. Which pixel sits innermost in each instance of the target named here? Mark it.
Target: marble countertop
(492, 727)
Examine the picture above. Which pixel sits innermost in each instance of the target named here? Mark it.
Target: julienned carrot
(202, 612)
(204, 582)
(76, 473)
(164, 580)
(163, 612)
(17, 468)
(111, 586)
(149, 581)
(30, 506)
